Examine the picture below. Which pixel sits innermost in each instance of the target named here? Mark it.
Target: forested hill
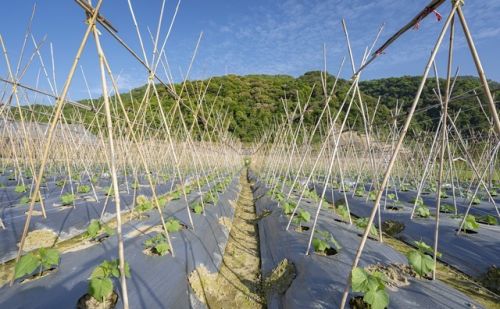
(253, 103)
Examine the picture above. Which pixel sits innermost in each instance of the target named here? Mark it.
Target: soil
(37, 276)
(39, 238)
(392, 227)
(454, 278)
(280, 279)
(301, 228)
(226, 222)
(358, 303)
(238, 283)
(396, 274)
(88, 302)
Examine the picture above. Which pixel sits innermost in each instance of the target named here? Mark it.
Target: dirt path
(238, 283)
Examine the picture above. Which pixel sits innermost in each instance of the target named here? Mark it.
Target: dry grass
(238, 284)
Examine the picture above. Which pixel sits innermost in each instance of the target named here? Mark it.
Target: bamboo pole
(395, 154)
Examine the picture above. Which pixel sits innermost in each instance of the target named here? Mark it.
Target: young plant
(470, 224)
(423, 211)
(443, 194)
(143, 204)
(83, 189)
(42, 259)
(343, 212)
(303, 216)
(447, 209)
(362, 223)
(157, 244)
(109, 191)
(60, 183)
(197, 208)
(372, 286)
(173, 225)
(175, 195)
(420, 259)
(101, 285)
(360, 191)
(487, 219)
(24, 200)
(67, 199)
(372, 195)
(324, 241)
(391, 196)
(404, 187)
(288, 208)
(95, 228)
(20, 189)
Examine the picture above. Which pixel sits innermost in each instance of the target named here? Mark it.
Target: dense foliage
(251, 104)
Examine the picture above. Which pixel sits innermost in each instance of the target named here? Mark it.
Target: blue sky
(245, 37)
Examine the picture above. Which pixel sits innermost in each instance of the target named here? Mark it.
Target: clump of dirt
(34, 213)
(203, 282)
(226, 222)
(38, 239)
(264, 214)
(491, 279)
(280, 278)
(89, 302)
(392, 227)
(396, 274)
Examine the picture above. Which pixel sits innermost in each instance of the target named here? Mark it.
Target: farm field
(135, 174)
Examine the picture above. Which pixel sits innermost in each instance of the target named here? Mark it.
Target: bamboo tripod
(456, 10)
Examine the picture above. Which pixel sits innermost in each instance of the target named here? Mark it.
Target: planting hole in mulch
(394, 207)
(328, 252)
(358, 303)
(280, 278)
(37, 276)
(370, 236)
(467, 231)
(153, 252)
(301, 229)
(89, 302)
(392, 227)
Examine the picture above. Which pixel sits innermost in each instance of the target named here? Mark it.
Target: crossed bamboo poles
(201, 154)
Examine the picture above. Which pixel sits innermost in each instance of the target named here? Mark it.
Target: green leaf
(359, 280)
(108, 230)
(421, 263)
(83, 189)
(93, 228)
(197, 208)
(320, 245)
(488, 219)
(67, 199)
(377, 298)
(470, 223)
(20, 189)
(26, 265)
(423, 211)
(49, 257)
(173, 225)
(100, 288)
(162, 248)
